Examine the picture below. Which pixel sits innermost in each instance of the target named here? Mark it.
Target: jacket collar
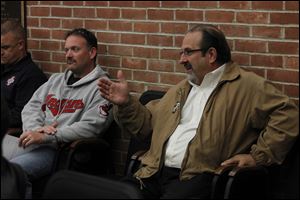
(17, 66)
(231, 72)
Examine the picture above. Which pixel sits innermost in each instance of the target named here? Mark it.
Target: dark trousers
(166, 185)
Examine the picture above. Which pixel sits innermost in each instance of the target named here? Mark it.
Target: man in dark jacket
(20, 76)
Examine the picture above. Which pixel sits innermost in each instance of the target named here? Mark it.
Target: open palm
(115, 92)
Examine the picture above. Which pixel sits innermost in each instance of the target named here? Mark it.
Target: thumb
(120, 76)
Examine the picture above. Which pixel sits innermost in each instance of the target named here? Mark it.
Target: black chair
(91, 156)
(273, 182)
(219, 181)
(74, 185)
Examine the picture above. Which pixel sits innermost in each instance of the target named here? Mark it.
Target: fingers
(40, 130)
(50, 130)
(104, 82)
(25, 140)
(116, 92)
(104, 86)
(241, 160)
(231, 161)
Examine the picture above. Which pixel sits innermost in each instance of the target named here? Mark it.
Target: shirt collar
(213, 76)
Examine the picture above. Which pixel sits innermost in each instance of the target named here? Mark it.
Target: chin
(193, 78)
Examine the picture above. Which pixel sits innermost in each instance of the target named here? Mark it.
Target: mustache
(70, 61)
(188, 66)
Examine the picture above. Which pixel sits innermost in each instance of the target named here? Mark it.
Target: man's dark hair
(213, 37)
(87, 35)
(14, 26)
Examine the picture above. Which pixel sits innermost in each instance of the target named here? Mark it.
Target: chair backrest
(136, 144)
(150, 95)
(89, 155)
(74, 185)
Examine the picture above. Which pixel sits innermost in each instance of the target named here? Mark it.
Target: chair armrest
(223, 169)
(219, 181)
(14, 131)
(134, 162)
(89, 141)
(86, 155)
(138, 155)
(250, 182)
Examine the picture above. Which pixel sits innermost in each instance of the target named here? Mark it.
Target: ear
(212, 55)
(22, 44)
(93, 53)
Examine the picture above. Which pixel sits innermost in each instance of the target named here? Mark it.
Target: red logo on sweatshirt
(104, 109)
(57, 106)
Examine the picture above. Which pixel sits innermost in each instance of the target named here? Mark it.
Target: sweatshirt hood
(96, 73)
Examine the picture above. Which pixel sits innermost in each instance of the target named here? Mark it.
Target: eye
(5, 47)
(186, 52)
(75, 49)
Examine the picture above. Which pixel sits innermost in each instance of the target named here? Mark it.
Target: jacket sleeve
(134, 117)
(94, 121)
(278, 118)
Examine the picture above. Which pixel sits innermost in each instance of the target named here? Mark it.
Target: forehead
(75, 40)
(192, 40)
(8, 38)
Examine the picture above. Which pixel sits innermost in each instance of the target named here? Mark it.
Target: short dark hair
(14, 26)
(213, 37)
(87, 35)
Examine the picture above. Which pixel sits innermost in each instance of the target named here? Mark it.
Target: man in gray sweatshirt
(65, 108)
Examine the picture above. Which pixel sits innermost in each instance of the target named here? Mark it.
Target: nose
(68, 53)
(183, 59)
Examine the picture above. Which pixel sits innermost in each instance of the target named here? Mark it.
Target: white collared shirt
(190, 117)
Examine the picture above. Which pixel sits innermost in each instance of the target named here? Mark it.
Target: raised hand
(115, 92)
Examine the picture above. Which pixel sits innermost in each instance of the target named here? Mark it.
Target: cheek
(83, 56)
(9, 54)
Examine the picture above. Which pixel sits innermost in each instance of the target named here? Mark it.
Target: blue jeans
(37, 163)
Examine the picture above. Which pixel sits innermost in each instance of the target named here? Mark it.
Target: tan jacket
(244, 114)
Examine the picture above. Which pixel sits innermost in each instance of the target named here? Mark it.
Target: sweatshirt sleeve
(33, 116)
(94, 121)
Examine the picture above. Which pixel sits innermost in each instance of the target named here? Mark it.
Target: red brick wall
(143, 38)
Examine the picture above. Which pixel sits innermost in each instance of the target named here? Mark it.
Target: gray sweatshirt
(79, 109)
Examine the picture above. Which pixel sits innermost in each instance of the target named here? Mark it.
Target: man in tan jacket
(220, 115)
